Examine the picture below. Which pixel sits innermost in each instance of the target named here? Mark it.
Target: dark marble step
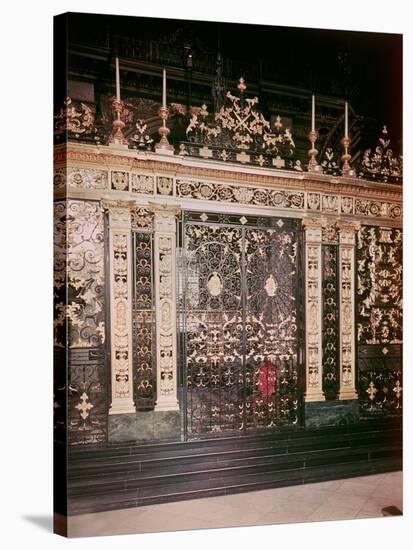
(206, 488)
(210, 471)
(131, 448)
(110, 465)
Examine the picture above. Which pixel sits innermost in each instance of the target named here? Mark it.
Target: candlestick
(117, 79)
(346, 169)
(164, 146)
(313, 113)
(346, 120)
(164, 89)
(313, 165)
(117, 138)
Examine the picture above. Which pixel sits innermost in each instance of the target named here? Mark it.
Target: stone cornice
(107, 157)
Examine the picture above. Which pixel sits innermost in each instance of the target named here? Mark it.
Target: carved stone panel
(165, 185)
(142, 183)
(313, 306)
(120, 256)
(120, 180)
(347, 309)
(165, 292)
(81, 178)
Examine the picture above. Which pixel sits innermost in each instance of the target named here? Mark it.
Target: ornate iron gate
(238, 301)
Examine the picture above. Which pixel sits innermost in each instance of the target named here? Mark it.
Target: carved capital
(111, 204)
(318, 222)
(119, 212)
(346, 225)
(164, 216)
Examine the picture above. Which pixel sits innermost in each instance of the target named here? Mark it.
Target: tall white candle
(117, 80)
(346, 120)
(313, 113)
(164, 88)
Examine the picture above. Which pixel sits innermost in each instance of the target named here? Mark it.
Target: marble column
(165, 299)
(313, 309)
(120, 285)
(346, 253)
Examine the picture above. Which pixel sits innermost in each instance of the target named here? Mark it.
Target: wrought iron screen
(238, 294)
(330, 321)
(380, 320)
(143, 322)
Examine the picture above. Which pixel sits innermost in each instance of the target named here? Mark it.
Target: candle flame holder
(164, 146)
(346, 169)
(313, 165)
(117, 137)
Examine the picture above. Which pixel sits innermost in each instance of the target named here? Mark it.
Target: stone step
(208, 488)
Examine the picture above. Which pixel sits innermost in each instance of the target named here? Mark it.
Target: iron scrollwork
(143, 324)
(79, 320)
(240, 325)
(87, 397)
(330, 320)
(379, 290)
(239, 132)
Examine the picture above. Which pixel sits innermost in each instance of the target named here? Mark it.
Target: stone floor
(359, 497)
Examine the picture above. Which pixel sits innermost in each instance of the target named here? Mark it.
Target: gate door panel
(239, 322)
(214, 351)
(271, 326)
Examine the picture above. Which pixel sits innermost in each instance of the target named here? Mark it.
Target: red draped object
(267, 378)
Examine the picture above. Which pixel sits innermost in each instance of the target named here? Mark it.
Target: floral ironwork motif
(379, 305)
(76, 120)
(143, 323)
(382, 164)
(239, 132)
(380, 388)
(141, 140)
(329, 163)
(79, 273)
(235, 320)
(379, 260)
(331, 381)
(87, 402)
(79, 317)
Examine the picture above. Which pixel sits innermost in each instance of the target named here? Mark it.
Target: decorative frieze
(330, 203)
(165, 185)
(313, 307)
(80, 178)
(120, 280)
(347, 205)
(87, 178)
(165, 292)
(347, 241)
(243, 195)
(378, 209)
(313, 201)
(119, 180)
(142, 183)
